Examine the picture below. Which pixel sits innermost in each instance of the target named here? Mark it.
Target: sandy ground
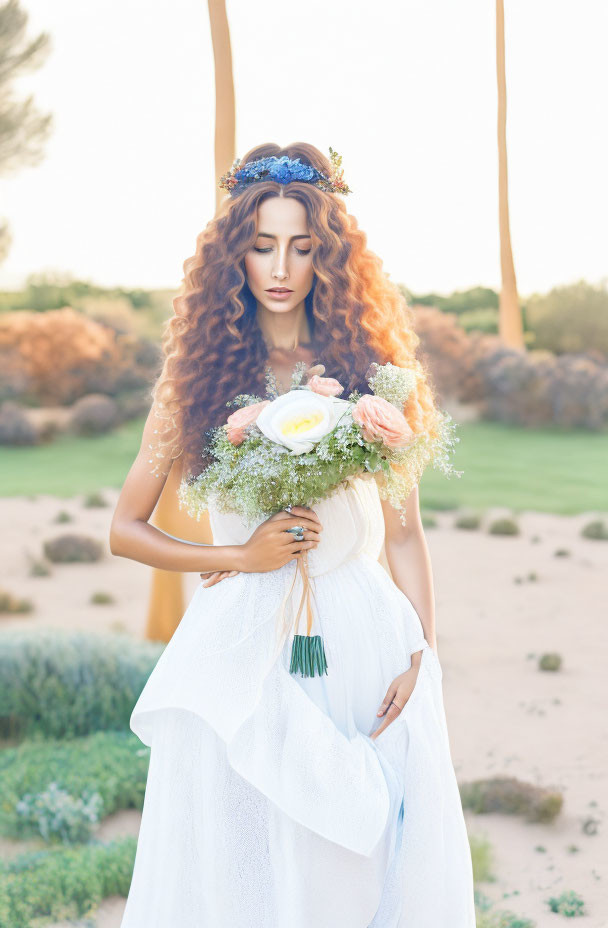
(504, 716)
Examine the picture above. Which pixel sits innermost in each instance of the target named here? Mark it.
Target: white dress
(267, 804)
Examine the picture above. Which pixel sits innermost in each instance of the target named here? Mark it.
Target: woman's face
(281, 256)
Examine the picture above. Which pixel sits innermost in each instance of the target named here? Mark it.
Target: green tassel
(308, 656)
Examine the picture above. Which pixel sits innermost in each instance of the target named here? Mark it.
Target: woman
(276, 800)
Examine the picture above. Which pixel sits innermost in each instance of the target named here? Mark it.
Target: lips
(279, 290)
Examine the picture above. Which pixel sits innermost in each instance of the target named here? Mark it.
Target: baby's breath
(260, 477)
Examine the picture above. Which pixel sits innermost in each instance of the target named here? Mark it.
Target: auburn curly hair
(213, 346)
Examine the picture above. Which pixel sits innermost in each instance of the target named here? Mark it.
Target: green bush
(480, 320)
(482, 859)
(13, 604)
(567, 903)
(110, 764)
(511, 797)
(572, 318)
(72, 549)
(58, 684)
(503, 527)
(550, 661)
(596, 530)
(42, 887)
(469, 521)
(94, 501)
(102, 599)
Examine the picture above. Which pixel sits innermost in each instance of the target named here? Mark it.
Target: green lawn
(548, 470)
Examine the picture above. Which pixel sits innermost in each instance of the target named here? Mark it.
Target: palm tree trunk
(166, 604)
(510, 321)
(225, 111)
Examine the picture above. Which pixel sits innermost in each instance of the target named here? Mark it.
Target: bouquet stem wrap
(307, 651)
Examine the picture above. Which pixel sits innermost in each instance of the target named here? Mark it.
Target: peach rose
(381, 421)
(325, 386)
(239, 420)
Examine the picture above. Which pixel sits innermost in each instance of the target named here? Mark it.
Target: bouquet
(296, 448)
(299, 447)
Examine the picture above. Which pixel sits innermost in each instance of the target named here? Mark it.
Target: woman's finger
(390, 695)
(391, 714)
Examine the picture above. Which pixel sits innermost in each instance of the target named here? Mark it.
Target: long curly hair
(213, 346)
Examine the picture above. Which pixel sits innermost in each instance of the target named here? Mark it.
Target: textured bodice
(352, 522)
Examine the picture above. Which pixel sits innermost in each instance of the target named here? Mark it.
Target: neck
(283, 330)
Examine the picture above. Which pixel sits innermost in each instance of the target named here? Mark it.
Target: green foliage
(101, 599)
(550, 661)
(503, 527)
(61, 684)
(110, 764)
(54, 291)
(469, 521)
(72, 548)
(568, 903)
(511, 797)
(597, 530)
(42, 887)
(482, 859)
(14, 604)
(571, 318)
(94, 500)
(479, 320)
(460, 301)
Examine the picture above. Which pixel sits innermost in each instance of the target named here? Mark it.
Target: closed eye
(300, 251)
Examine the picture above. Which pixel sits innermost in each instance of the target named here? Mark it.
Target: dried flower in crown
(284, 170)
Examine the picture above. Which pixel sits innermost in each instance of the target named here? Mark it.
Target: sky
(404, 90)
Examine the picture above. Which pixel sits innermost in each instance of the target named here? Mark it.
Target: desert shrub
(54, 814)
(94, 500)
(468, 521)
(58, 356)
(13, 604)
(570, 319)
(511, 797)
(597, 530)
(567, 903)
(550, 661)
(61, 883)
(67, 774)
(561, 552)
(72, 548)
(94, 414)
(529, 388)
(63, 516)
(481, 858)
(428, 520)
(15, 426)
(102, 599)
(59, 684)
(39, 568)
(503, 527)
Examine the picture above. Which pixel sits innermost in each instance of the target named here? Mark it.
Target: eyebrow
(267, 235)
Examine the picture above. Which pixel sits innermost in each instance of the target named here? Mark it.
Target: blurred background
(116, 122)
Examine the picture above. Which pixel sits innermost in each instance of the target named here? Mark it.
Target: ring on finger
(296, 530)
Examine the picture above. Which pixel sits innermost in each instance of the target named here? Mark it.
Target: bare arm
(133, 537)
(408, 557)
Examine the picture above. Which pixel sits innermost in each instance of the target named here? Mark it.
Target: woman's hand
(400, 691)
(214, 576)
(271, 546)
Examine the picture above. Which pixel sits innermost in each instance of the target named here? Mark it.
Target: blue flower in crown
(284, 170)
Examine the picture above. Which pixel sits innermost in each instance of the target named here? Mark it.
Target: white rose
(298, 419)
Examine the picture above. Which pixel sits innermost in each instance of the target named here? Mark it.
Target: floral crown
(284, 170)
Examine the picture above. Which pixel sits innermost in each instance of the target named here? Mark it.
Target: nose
(280, 269)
